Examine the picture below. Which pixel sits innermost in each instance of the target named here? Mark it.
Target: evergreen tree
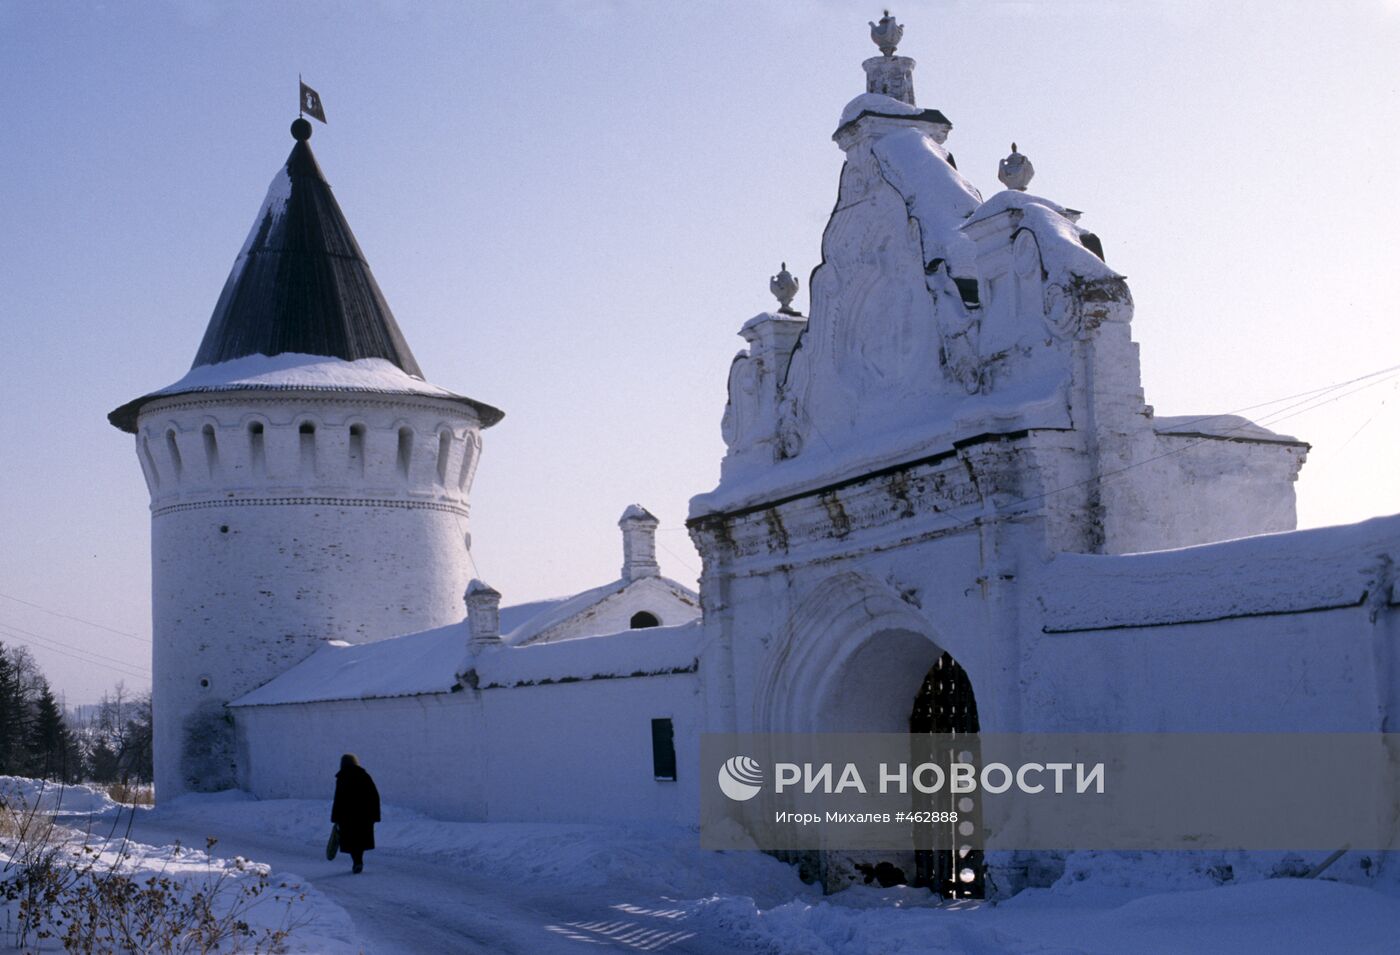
(102, 763)
(50, 746)
(12, 714)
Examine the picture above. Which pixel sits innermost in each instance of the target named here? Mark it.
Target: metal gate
(946, 707)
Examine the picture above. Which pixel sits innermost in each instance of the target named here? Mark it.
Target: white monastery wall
(572, 751)
(424, 752)
(581, 751)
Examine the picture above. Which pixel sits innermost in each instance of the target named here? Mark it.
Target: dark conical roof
(301, 289)
(301, 283)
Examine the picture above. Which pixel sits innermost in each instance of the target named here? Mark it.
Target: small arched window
(211, 448)
(306, 437)
(444, 450)
(405, 450)
(174, 449)
(643, 619)
(357, 450)
(255, 448)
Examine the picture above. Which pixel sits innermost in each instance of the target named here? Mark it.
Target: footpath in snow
(502, 888)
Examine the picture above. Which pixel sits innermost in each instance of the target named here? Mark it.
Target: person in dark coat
(355, 810)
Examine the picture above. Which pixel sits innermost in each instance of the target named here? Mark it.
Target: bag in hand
(333, 843)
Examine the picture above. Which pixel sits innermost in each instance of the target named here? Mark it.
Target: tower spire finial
(1015, 171)
(886, 34)
(784, 287)
(887, 74)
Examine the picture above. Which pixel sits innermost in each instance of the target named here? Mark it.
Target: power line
(65, 616)
(124, 669)
(20, 631)
(1301, 394)
(1305, 406)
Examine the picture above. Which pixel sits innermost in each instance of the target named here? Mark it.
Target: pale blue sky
(573, 206)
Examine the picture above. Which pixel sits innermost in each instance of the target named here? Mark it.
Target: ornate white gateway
(961, 408)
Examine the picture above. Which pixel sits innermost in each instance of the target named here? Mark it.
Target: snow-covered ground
(436, 886)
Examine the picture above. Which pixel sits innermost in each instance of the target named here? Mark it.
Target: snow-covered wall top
(441, 661)
(1315, 569)
(426, 662)
(658, 650)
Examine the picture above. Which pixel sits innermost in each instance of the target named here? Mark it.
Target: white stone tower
(306, 483)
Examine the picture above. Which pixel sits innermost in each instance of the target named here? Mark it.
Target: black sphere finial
(301, 130)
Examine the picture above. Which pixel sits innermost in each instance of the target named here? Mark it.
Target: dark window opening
(255, 448)
(405, 450)
(211, 449)
(643, 619)
(967, 291)
(306, 435)
(663, 749)
(174, 451)
(357, 450)
(1092, 243)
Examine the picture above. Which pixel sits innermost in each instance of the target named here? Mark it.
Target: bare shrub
(132, 794)
(66, 891)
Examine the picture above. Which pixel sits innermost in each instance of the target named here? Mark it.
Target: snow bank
(42, 796)
(98, 850)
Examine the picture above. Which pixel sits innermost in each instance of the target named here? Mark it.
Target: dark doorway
(945, 707)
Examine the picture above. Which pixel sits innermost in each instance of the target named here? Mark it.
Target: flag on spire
(311, 103)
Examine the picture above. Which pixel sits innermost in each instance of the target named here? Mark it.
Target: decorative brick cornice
(459, 510)
(280, 397)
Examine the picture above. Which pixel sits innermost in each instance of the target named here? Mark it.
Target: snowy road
(541, 889)
(406, 903)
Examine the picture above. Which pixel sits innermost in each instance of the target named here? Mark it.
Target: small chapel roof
(301, 290)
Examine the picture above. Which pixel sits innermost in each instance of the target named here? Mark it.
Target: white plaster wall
(1297, 673)
(1215, 490)
(582, 751)
(264, 545)
(567, 752)
(424, 752)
